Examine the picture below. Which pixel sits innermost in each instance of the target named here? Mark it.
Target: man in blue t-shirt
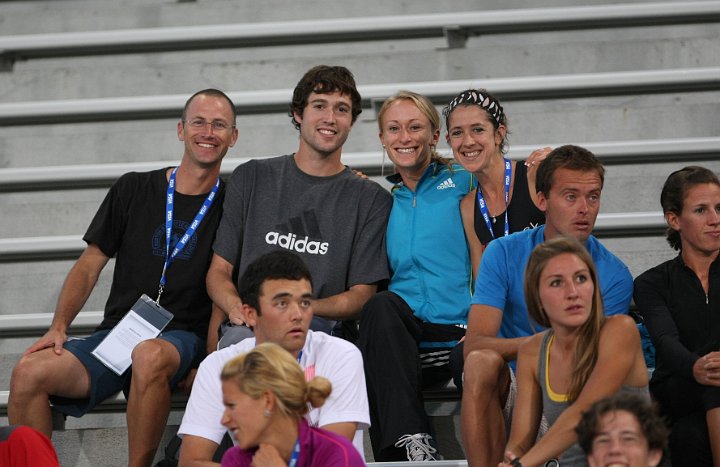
(569, 183)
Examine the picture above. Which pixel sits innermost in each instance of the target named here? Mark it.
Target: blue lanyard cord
(296, 450)
(483, 205)
(296, 453)
(169, 207)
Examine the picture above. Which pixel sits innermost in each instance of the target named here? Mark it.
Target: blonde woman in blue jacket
(407, 333)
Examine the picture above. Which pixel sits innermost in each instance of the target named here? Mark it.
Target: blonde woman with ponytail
(582, 357)
(266, 397)
(409, 334)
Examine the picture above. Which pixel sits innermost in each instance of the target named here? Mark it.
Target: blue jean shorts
(104, 383)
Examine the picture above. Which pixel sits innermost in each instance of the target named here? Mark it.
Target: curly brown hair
(324, 79)
(652, 425)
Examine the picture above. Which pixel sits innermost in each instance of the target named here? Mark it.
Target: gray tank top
(554, 404)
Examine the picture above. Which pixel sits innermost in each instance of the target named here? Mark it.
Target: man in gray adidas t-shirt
(308, 203)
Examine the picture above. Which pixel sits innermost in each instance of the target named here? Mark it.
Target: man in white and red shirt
(276, 291)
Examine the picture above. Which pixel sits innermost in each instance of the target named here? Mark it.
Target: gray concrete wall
(23, 17)
(241, 69)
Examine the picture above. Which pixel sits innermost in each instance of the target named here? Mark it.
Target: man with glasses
(308, 203)
(159, 226)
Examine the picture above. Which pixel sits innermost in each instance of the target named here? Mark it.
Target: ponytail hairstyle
(270, 368)
(672, 197)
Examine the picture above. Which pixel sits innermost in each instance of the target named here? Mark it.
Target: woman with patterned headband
(505, 200)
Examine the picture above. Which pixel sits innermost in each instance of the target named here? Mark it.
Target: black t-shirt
(522, 212)
(130, 226)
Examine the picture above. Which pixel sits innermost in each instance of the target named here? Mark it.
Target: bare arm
(345, 305)
(528, 405)
(222, 290)
(483, 326)
(533, 162)
(617, 356)
(467, 210)
(346, 429)
(197, 451)
(76, 289)
(216, 318)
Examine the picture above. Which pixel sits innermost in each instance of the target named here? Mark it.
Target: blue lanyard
(295, 454)
(483, 206)
(169, 207)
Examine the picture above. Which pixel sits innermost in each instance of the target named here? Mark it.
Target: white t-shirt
(322, 355)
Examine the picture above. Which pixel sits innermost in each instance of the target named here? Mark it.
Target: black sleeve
(651, 297)
(108, 226)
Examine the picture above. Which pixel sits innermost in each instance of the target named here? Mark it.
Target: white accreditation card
(145, 320)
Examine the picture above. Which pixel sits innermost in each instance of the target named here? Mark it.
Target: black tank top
(522, 212)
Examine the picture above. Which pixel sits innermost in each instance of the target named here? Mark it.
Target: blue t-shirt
(502, 269)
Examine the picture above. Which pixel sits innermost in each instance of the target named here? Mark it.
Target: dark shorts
(232, 334)
(104, 383)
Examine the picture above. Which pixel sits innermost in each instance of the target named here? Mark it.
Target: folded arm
(483, 326)
(345, 305)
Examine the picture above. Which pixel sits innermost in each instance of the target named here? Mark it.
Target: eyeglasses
(217, 125)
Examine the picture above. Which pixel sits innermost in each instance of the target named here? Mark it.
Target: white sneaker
(418, 447)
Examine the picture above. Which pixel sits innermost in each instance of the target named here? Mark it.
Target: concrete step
(633, 188)
(628, 188)
(104, 442)
(34, 287)
(531, 122)
(639, 253)
(374, 62)
(8, 358)
(22, 17)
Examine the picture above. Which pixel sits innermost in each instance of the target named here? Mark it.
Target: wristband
(516, 462)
